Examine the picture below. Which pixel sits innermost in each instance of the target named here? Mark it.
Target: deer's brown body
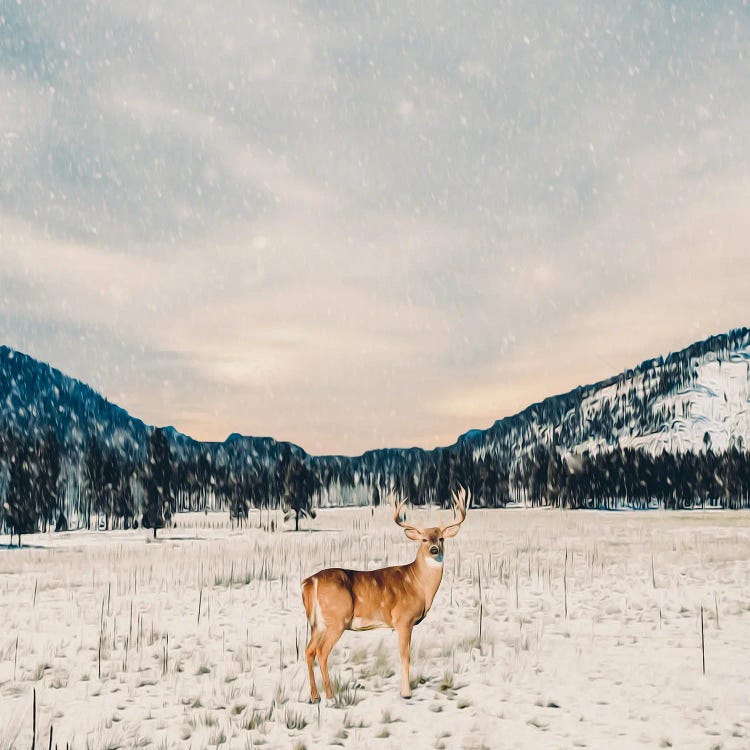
(397, 597)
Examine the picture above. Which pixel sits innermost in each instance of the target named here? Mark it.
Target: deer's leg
(310, 652)
(329, 639)
(404, 647)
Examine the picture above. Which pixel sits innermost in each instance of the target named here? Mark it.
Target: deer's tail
(312, 606)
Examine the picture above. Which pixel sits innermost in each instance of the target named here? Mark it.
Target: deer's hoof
(406, 696)
(330, 703)
(315, 699)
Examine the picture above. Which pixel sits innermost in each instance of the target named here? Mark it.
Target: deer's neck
(429, 573)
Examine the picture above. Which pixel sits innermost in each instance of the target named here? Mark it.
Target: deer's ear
(414, 534)
(450, 531)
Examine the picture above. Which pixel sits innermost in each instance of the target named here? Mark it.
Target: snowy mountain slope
(695, 397)
(716, 404)
(711, 408)
(36, 398)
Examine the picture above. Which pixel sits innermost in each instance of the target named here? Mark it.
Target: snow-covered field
(604, 651)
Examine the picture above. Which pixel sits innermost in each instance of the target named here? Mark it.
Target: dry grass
(111, 638)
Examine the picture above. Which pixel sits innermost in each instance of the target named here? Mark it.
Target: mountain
(696, 397)
(686, 402)
(36, 398)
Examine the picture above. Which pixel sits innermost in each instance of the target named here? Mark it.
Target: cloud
(382, 226)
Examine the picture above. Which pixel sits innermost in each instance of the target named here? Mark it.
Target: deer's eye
(425, 540)
(441, 539)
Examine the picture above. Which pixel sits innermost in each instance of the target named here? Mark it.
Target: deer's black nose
(434, 549)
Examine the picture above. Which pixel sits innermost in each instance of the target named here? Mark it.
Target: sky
(359, 225)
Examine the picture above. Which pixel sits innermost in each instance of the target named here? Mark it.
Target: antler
(397, 512)
(461, 500)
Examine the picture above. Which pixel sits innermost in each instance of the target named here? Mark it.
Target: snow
(717, 402)
(604, 650)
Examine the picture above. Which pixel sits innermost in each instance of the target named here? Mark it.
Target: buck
(397, 597)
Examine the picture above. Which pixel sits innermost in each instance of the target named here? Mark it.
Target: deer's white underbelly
(364, 623)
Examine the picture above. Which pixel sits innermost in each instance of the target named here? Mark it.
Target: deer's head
(432, 538)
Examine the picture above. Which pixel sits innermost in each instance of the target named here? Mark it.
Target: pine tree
(124, 506)
(203, 475)
(238, 502)
(94, 478)
(48, 463)
(157, 495)
(299, 486)
(112, 479)
(21, 515)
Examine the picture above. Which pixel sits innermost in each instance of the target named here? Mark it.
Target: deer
(397, 597)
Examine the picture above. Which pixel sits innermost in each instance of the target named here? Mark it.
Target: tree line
(114, 490)
(630, 478)
(42, 488)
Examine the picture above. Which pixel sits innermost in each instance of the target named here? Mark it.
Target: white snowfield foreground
(604, 651)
